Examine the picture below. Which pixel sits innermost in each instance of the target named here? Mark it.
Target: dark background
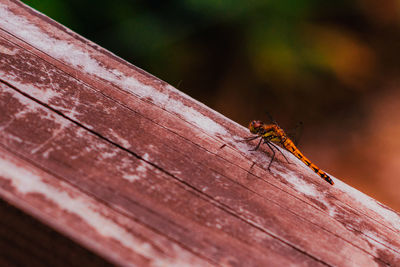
(334, 65)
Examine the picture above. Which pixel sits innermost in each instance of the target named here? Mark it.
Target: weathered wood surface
(26, 242)
(137, 172)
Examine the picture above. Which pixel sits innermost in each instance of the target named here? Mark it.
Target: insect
(272, 135)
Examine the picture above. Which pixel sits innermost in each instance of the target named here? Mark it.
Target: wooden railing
(131, 169)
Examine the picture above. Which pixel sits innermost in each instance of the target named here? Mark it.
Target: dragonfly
(273, 135)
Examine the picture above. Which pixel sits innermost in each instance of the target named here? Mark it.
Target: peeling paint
(165, 101)
(108, 155)
(71, 112)
(7, 51)
(81, 59)
(119, 139)
(55, 133)
(308, 189)
(132, 173)
(138, 173)
(133, 169)
(390, 216)
(27, 182)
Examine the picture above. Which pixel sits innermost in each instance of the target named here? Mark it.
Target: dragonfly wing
(295, 134)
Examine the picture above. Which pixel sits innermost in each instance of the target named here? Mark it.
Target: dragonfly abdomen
(289, 145)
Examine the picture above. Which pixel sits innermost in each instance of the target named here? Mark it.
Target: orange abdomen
(288, 144)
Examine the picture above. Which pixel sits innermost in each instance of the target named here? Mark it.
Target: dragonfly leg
(273, 154)
(258, 145)
(280, 152)
(250, 138)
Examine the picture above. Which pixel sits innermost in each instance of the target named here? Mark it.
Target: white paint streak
(15, 139)
(26, 182)
(302, 186)
(299, 184)
(185, 96)
(107, 155)
(81, 59)
(308, 189)
(131, 177)
(68, 199)
(377, 240)
(146, 156)
(35, 90)
(55, 133)
(165, 101)
(22, 100)
(7, 51)
(81, 132)
(138, 173)
(47, 152)
(70, 112)
(380, 244)
(120, 139)
(390, 216)
(29, 108)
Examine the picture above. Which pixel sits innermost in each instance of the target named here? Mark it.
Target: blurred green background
(333, 65)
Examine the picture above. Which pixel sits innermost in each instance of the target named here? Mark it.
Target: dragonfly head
(256, 127)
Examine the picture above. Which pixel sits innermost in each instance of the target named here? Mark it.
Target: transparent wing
(295, 134)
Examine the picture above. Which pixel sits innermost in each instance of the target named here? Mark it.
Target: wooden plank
(232, 198)
(126, 78)
(151, 198)
(19, 244)
(114, 120)
(74, 213)
(59, 134)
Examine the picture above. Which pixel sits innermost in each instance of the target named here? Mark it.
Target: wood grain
(154, 177)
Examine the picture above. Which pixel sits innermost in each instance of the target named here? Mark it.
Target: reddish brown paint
(196, 194)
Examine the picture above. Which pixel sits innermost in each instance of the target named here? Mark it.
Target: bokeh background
(334, 65)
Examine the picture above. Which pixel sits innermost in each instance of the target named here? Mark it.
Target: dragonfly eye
(255, 127)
